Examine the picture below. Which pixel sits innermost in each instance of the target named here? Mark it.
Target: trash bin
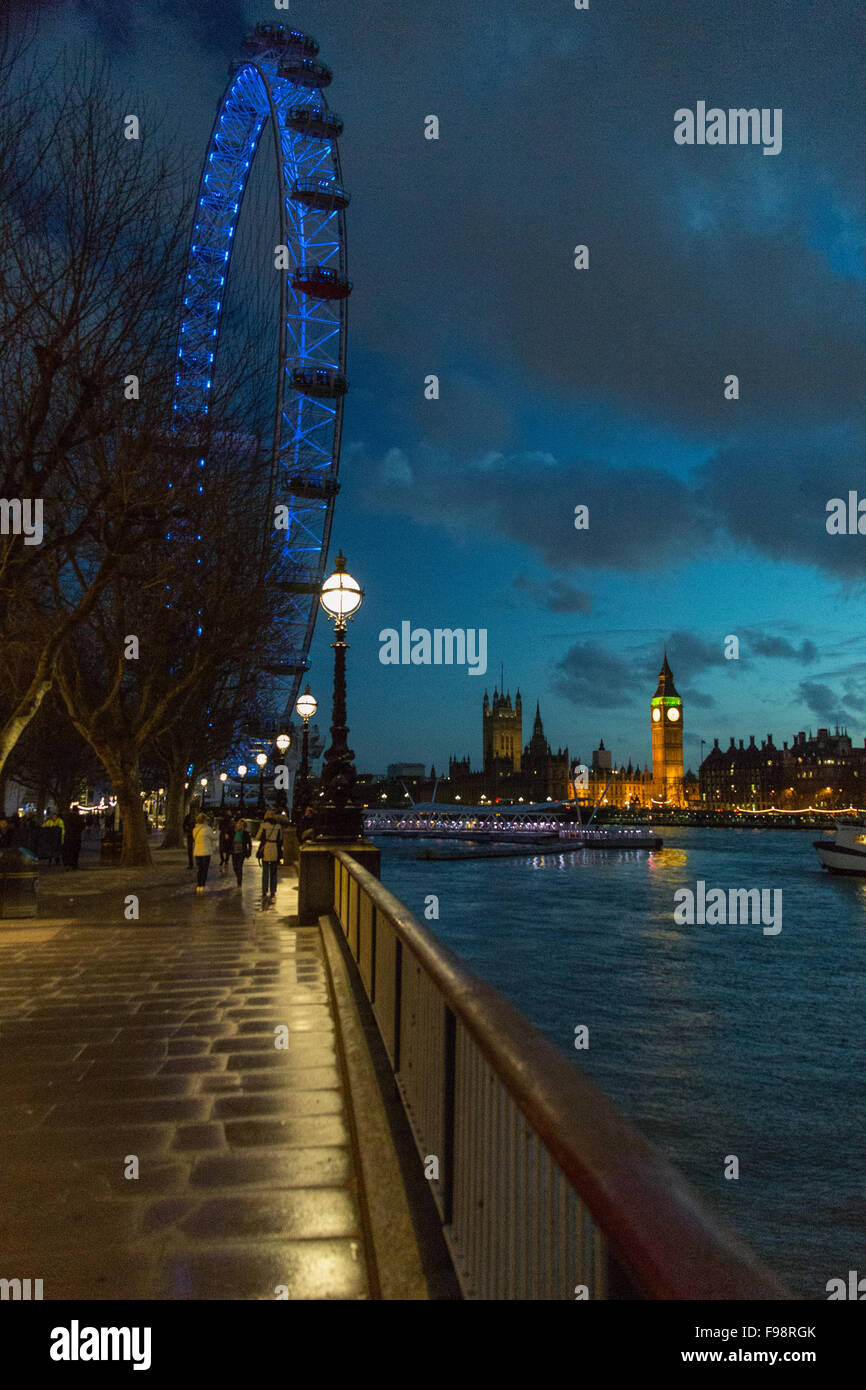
(19, 883)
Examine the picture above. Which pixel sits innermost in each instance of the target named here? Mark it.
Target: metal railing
(544, 1190)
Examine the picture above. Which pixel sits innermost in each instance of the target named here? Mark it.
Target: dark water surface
(714, 1040)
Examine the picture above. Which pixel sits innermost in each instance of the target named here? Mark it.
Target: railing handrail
(655, 1222)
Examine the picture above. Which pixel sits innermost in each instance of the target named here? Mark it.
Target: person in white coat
(204, 842)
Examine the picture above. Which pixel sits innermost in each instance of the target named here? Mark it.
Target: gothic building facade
(825, 771)
(512, 771)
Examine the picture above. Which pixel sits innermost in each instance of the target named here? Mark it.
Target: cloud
(639, 519)
(687, 651)
(767, 645)
(697, 697)
(555, 595)
(588, 674)
(821, 700)
(395, 470)
(771, 494)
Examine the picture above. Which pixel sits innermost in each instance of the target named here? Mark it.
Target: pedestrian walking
(188, 827)
(204, 843)
(54, 827)
(269, 851)
(73, 823)
(227, 831)
(242, 848)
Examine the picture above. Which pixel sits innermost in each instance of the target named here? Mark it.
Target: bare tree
(92, 233)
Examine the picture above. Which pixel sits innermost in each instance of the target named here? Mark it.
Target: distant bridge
(544, 823)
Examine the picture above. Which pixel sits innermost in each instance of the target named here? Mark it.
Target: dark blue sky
(603, 387)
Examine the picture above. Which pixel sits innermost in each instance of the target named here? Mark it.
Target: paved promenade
(148, 1047)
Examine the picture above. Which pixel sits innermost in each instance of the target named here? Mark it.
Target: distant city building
(666, 718)
(533, 773)
(539, 774)
(825, 771)
(502, 733)
(601, 759)
(407, 770)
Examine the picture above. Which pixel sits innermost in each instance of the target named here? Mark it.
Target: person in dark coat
(242, 848)
(227, 831)
(74, 829)
(188, 827)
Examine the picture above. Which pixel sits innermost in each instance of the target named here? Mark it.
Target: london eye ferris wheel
(274, 108)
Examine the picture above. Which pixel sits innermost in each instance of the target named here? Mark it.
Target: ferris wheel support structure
(279, 82)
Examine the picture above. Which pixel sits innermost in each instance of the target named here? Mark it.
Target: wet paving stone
(192, 1065)
(253, 1043)
(318, 1078)
(155, 1143)
(297, 1214)
(306, 1269)
(299, 1132)
(311, 1167)
(131, 1111)
(198, 1138)
(288, 1101)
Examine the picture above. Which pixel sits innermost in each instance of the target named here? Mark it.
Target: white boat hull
(841, 859)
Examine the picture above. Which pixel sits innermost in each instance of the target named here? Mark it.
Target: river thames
(714, 1040)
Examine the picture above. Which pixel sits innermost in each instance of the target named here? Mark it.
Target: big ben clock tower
(667, 737)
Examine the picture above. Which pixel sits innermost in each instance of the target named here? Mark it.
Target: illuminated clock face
(673, 714)
(657, 714)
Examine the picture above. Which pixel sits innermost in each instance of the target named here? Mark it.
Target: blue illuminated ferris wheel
(279, 85)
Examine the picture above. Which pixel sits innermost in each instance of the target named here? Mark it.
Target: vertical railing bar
(580, 1254)
(563, 1233)
(549, 1226)
(473, 1186)
(495, 1186)
(398, 998)
(449, 1138)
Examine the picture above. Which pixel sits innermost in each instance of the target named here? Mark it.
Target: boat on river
(847, 853)
(546, 825)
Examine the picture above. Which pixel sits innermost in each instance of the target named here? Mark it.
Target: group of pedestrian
(235, 845)
(57, 838)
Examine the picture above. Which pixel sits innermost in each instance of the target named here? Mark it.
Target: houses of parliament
(512, 770)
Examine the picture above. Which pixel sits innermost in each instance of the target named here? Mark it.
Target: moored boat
(847, 853)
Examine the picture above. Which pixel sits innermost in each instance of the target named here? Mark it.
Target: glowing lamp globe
(307, 705)
(242, 770)
(261, 759)
(224, 777)
(283, 742)
(341, 594)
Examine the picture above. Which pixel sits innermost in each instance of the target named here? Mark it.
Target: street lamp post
(282, 741)
(340, 817)
(306, 708)
(242, 772)
(223, 778)
(203, 791)
(261, 759)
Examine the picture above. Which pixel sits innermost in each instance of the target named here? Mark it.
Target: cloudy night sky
(560, 387)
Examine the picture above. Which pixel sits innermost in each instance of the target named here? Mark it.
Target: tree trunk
(26, 708)
(136, 848)
(174, 809)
